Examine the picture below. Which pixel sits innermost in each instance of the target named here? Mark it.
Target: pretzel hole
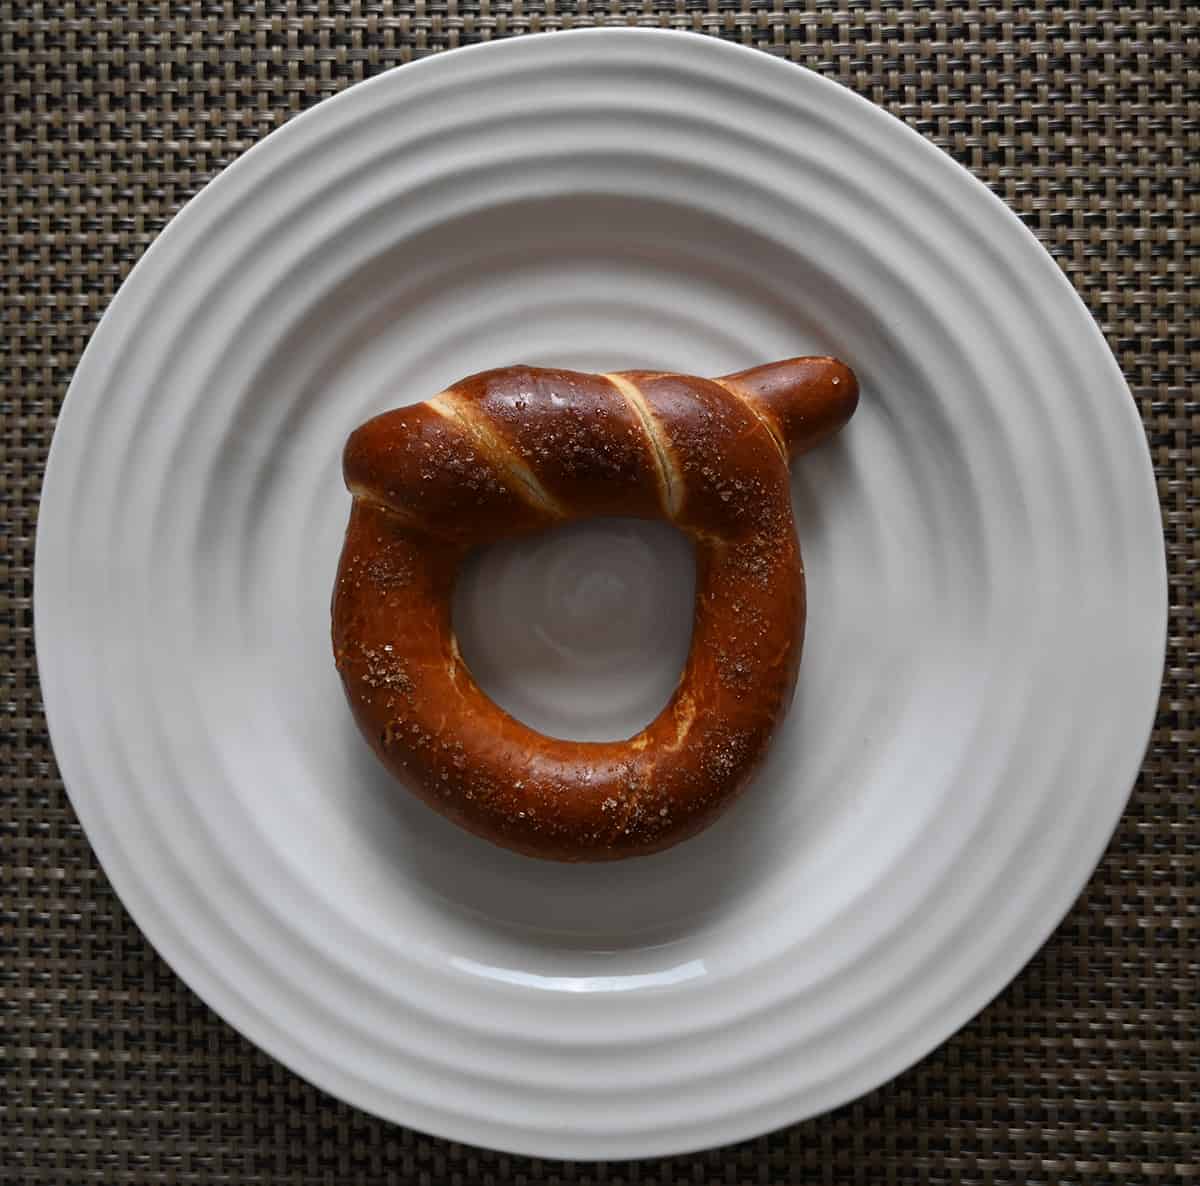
(581, 632)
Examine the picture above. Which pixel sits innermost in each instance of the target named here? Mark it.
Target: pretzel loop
(522, 449)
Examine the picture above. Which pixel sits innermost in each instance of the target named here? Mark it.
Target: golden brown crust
(515, 450)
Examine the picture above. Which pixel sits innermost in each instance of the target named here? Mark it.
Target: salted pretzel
(522, 449)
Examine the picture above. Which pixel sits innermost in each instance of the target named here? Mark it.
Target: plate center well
(580, 632)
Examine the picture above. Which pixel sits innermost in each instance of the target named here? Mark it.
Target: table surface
(1083, 116)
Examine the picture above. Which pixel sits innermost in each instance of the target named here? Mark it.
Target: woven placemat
(1082, 115)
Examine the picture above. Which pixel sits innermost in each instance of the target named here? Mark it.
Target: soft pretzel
(522, 449)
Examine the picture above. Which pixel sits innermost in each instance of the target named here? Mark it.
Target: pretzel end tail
(806, 399)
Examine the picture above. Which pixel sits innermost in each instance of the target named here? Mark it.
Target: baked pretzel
(521, 449)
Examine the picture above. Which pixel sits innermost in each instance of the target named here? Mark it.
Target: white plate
(987, 595)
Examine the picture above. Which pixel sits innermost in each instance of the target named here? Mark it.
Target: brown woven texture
(1083, 116)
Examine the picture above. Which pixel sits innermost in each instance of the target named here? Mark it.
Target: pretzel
(522, 449)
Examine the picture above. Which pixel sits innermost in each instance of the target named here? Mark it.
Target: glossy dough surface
(522, 449)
